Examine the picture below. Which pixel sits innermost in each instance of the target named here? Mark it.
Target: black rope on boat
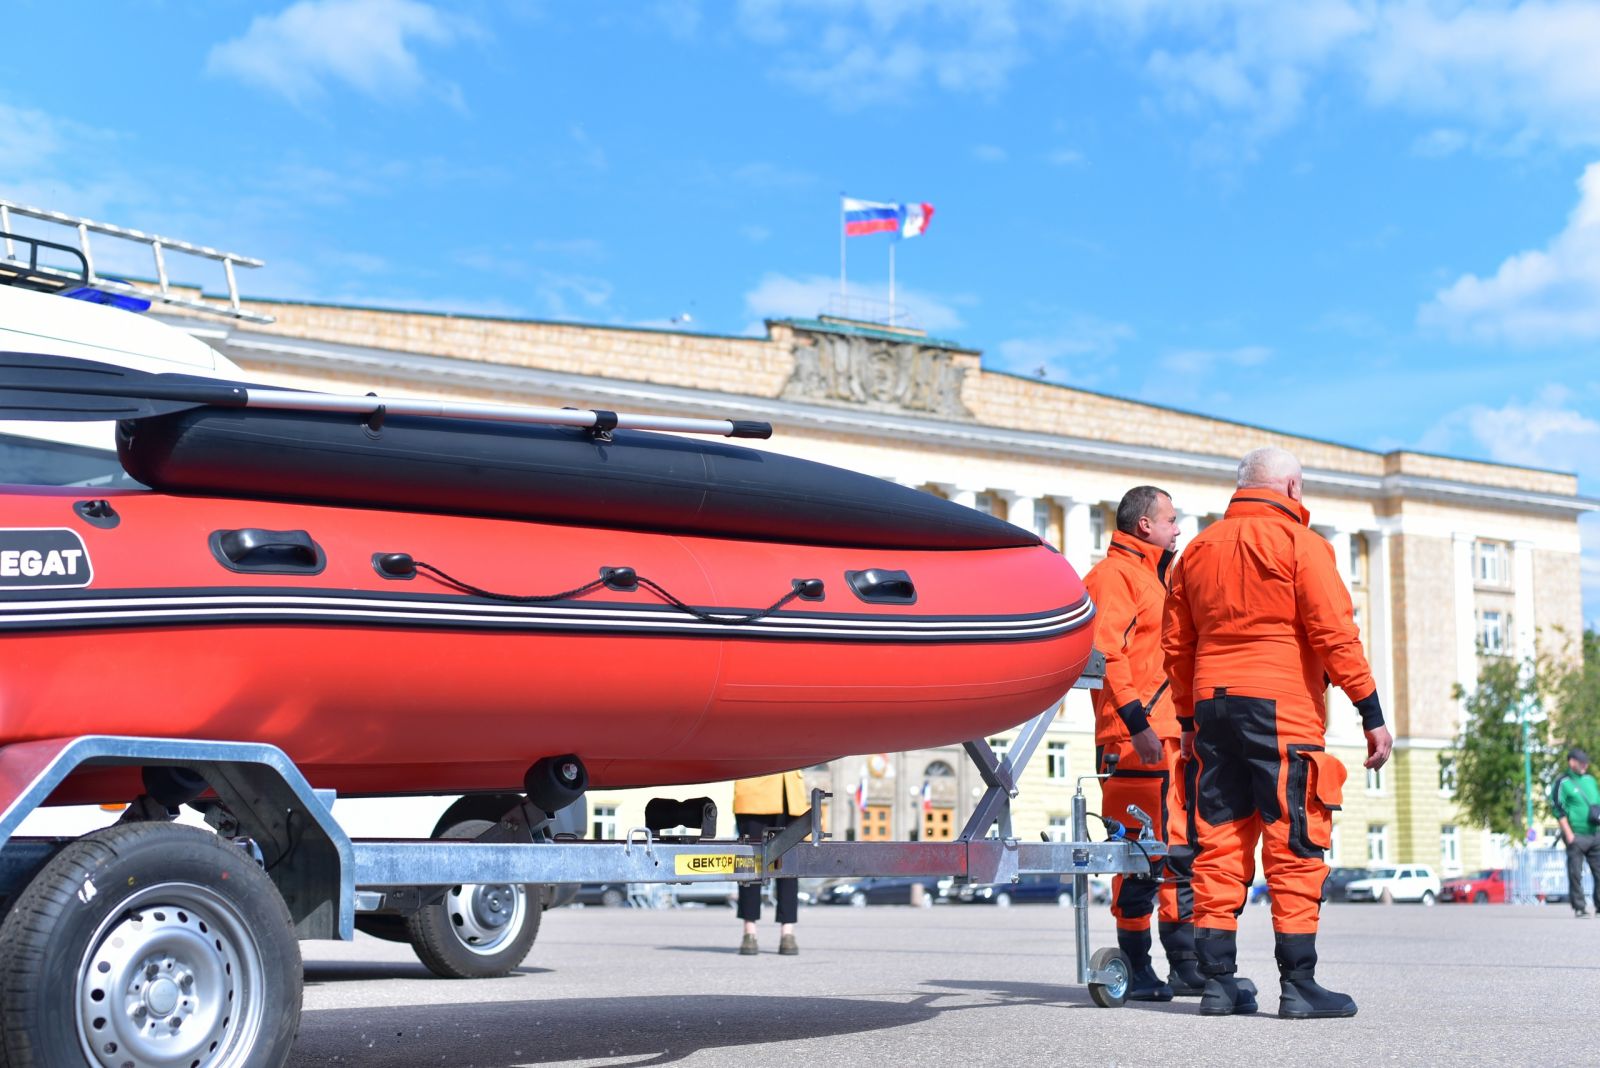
(798, 588)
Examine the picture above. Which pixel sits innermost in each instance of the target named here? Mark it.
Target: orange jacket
(1257, 604)
(1129, 589)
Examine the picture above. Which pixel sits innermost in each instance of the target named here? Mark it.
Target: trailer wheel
(478, 931)
(1114, 991)
(149, 944)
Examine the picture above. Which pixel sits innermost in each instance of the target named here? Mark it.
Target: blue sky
(1366, 221)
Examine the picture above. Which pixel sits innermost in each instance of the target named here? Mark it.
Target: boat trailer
(151, 942)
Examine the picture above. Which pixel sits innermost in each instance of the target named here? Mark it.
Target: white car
(1413, 883)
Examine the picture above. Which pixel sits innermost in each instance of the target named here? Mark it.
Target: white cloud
(1547, 432)
(755, 234)
(1541, 296)
(857, 53)
(27, 137)
(1073, 354)
(763, 175)
(367, 45)
(1065, 157)
(779, 296)
(988, 153)
(1438, 143)
(1198, 362)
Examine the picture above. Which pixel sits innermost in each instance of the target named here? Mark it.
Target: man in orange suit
(1258, 624)
(1137, 732)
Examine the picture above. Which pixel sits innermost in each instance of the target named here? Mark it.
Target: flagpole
(892, 243)
(842, 288)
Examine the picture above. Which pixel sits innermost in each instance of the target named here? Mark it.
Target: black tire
(613, 898)
(148, 938)
(1480, 898)
(1109, 995)
(476, 932)
(387, 927)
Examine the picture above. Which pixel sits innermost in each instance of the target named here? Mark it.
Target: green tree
(1558, 692)
(1488, 752)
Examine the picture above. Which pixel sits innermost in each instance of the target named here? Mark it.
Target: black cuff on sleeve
(1186, 724)
(1133, 714)
(1371, 712)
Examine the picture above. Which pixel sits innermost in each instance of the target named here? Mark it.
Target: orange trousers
(1261, 776)
(1159, 790)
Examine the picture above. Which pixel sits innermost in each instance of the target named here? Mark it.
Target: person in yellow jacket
(769, 802)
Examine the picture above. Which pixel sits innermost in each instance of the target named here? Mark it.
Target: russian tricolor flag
(862, 217)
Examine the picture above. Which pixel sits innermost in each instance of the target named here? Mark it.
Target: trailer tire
(1114, 992)
(476, 931)
(149, 942)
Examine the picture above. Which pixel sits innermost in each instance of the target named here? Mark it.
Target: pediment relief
(895, 376)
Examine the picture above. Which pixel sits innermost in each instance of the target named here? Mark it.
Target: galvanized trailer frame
(259, 799)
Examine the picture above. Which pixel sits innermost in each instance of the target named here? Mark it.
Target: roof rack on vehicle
(22, 266)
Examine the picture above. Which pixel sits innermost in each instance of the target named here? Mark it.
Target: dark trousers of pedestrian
(1583, 848)
(788, 890)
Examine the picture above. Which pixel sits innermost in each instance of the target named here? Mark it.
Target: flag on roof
(863, 217)
(915, 219)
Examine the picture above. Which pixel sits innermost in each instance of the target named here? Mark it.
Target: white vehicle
(1414, 883)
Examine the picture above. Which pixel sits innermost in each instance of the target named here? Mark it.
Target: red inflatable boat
(431, 606)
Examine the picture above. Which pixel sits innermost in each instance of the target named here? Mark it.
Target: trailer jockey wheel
(1111, 990)
(149, 944)
(479, 930)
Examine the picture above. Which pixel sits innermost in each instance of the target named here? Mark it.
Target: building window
(1450, 849)
(1001, 747)
(937, 825)
(1447, 776)
(985, 502)
(1056, 760)
(1358, 559)
(1490, 565)
(1058, 829)
(1334, 852)
(1374, 780)
(1377, 843)
(1041, 520)
(1099, 530)
(1492, 632)
(875, 824)
(603, 827)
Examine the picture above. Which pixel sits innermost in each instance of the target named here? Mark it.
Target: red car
(1480, 888)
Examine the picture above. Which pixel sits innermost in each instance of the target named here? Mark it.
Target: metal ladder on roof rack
(26, 270)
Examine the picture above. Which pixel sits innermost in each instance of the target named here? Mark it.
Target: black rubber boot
(1143, 982)
(1303, 997)
(1225, 993)
(1185, 978)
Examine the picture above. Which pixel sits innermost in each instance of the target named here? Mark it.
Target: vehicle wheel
(1427, 897)
(858, 900)
(1002, 900)
(479, 931)
(1113, 992)
(149, 943)
(379, 925)
(612, 898)
(1064, 899)
(1480, 898)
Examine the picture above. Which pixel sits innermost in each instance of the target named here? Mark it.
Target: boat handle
(878, 585)
(277, 552)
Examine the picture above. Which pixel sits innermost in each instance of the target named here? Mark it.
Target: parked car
(1492, 885)
(1030, 890)
(880, 890)
(716, 892)
(1332, 887)
(1395, 884)
(611, 895)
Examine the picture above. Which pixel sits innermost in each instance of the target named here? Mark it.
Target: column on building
(1188, 527)
(1021, 509)
(1465, 613)
(1522, 606)
(967, 498)
(1380, 613)
(1077, 549)
(1339, 538)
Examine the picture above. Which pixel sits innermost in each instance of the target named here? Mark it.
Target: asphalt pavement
(955, 985)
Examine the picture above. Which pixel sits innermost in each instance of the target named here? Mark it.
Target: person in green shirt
(1575, 796)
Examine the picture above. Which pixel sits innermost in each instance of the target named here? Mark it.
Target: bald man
(1258, 623)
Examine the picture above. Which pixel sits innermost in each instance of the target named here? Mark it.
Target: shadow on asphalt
(650, 1030)
(318, 972)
